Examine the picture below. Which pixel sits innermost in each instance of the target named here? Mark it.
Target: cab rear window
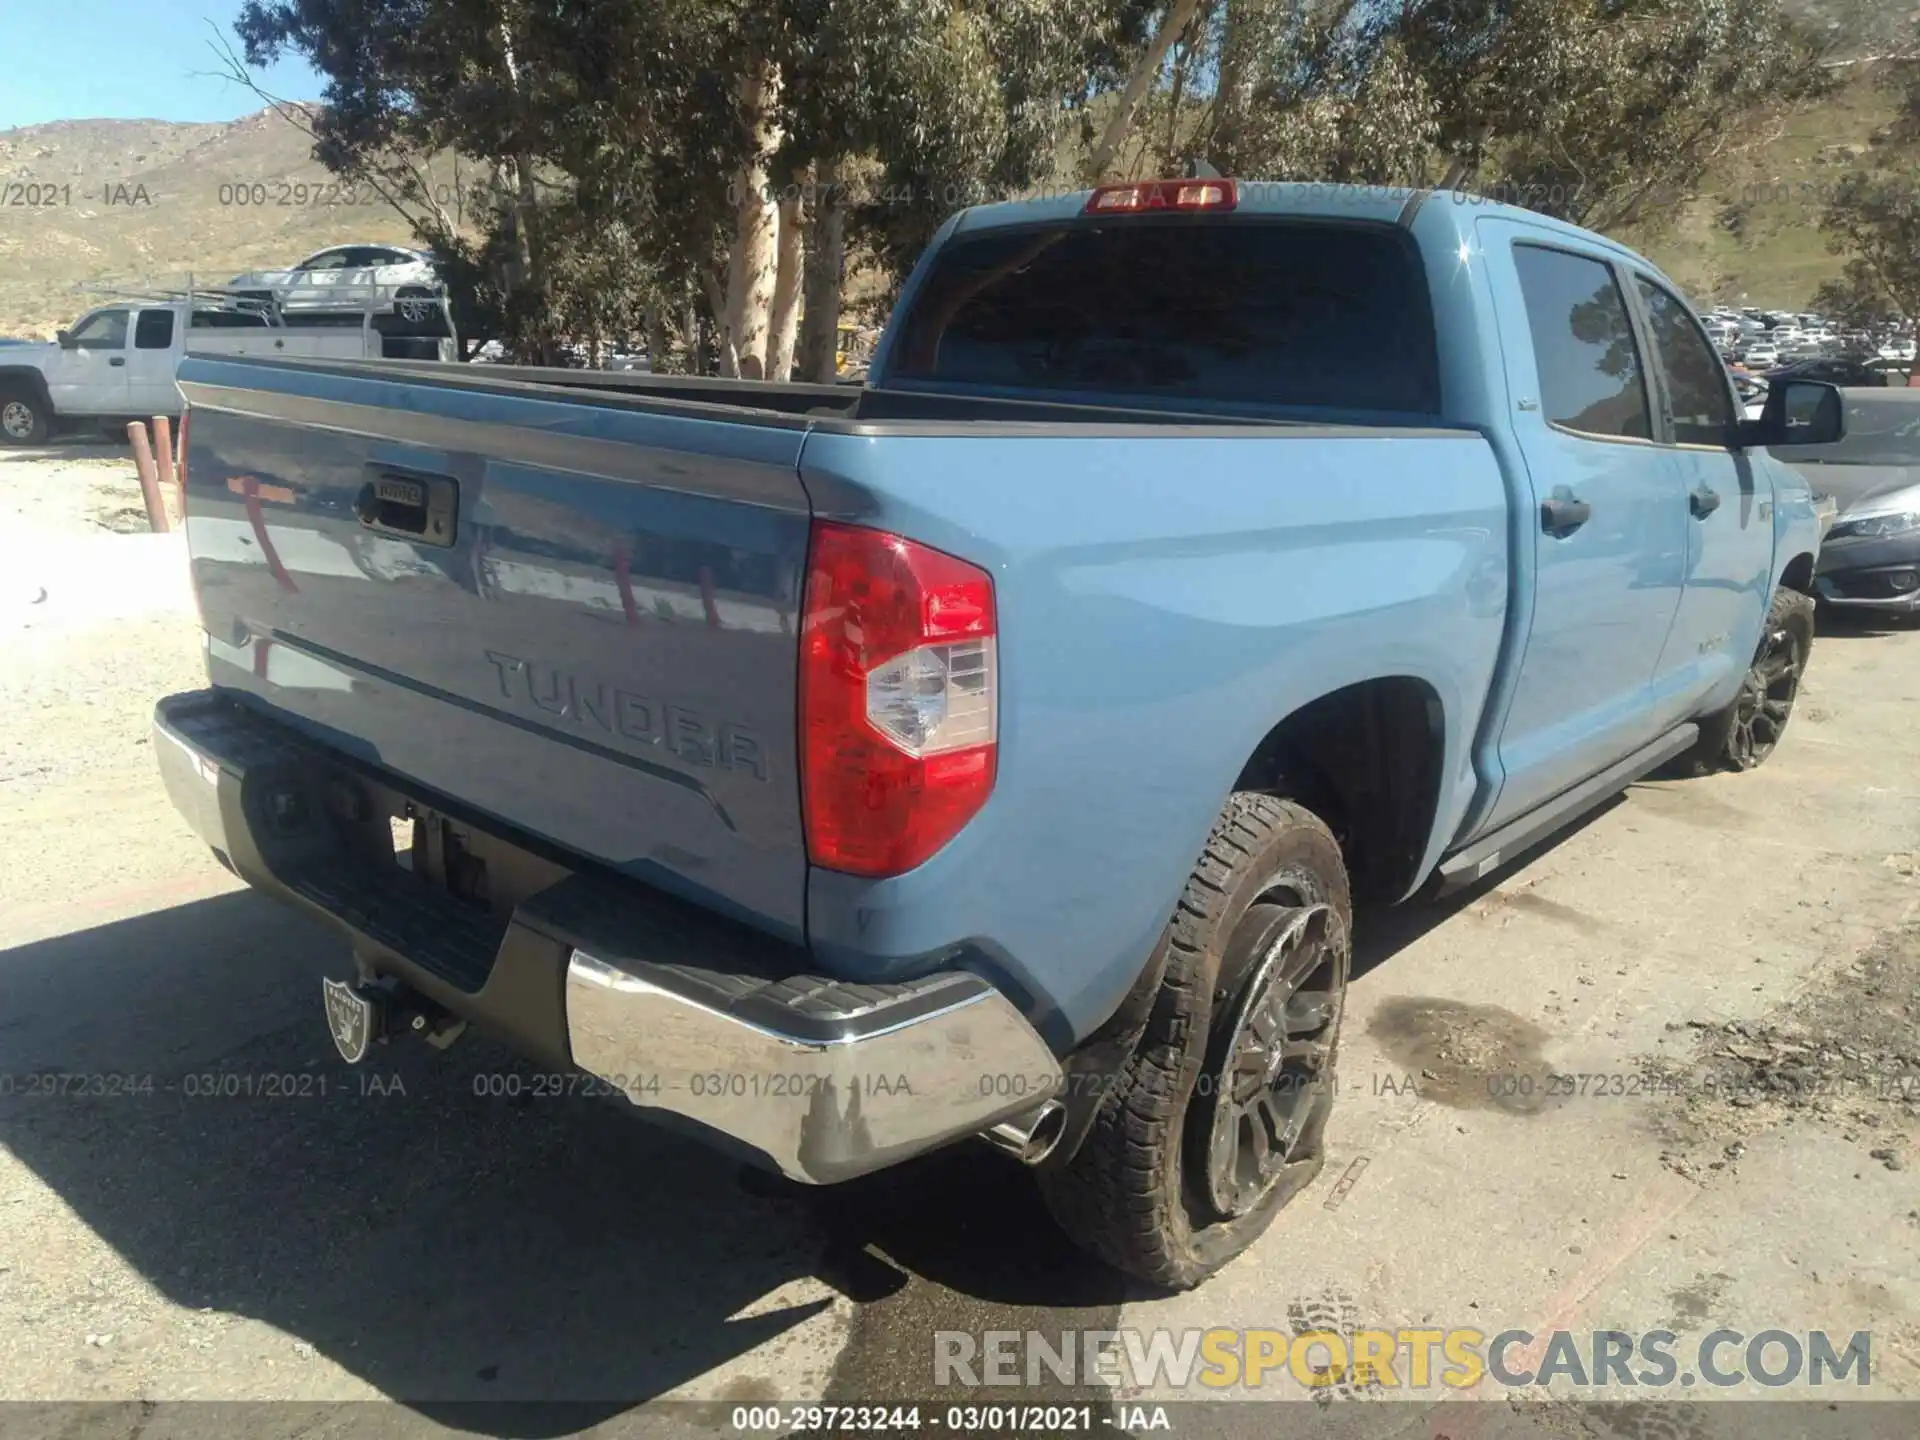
(1245, 311)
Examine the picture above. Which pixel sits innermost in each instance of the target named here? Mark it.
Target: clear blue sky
(127, 59)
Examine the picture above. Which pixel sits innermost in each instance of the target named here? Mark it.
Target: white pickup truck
(117, 362)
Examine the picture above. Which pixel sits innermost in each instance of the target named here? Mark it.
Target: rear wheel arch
(25, 380)
(27, 415)
(1368, 759)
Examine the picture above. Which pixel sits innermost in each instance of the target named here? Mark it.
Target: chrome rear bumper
(687, 1014)
(826, 1084)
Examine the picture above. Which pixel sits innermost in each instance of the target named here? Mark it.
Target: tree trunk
(1179, 15)
(529, 276)
(690, 328)
(751, 267)
(657, 339)
(784, 320)
(1230, 99)
(826, 249)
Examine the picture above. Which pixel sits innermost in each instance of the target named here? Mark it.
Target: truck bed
(857, 409)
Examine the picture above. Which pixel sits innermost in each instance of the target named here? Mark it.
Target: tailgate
(574, 614)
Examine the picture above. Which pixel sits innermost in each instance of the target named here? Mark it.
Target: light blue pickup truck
(999, 748)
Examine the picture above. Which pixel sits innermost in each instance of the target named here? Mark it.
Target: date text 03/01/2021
(961, 1419)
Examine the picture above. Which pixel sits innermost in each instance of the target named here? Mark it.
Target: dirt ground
(1661, 1074)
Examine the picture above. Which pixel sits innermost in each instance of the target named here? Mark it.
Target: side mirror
(1798, 412)
(65, 339)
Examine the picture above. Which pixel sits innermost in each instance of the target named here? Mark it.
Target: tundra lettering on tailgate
(640, 718)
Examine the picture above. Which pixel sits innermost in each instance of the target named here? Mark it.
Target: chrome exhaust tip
(1030, 1138)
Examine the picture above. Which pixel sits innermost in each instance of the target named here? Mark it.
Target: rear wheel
(1218, 1117)
(418, 310)
(1744, 734)
(23, 419)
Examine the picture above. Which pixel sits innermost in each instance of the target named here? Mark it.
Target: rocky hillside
(148, 202)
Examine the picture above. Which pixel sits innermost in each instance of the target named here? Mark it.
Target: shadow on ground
(1381, 932)
(448, 1245)
(1837, 623)
(444, 1245)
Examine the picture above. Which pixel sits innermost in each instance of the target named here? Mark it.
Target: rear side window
(1696, 380)
(1248, 311)
(1591, 378)
(228, 320)
(153, 330)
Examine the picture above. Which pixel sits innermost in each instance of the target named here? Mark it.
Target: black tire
(24, 418)
(1744, 734)
(1143, 1192)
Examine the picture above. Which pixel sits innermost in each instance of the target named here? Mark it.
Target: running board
(1486, 855)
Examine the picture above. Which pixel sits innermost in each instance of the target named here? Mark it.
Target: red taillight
(897, 699)
(1148, 196)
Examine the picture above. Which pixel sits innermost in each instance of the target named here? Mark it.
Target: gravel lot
(256, 1223)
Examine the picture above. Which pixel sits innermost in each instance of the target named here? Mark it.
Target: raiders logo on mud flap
(351, 1019)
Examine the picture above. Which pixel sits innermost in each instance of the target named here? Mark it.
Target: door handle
(1703, 502)
(117, 360)
(1561, 514)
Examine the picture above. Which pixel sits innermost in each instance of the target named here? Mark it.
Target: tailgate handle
(411, 504)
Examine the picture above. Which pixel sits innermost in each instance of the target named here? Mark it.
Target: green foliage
(1873, 216)
(1589, 109)
(610, 133)
(606, 135)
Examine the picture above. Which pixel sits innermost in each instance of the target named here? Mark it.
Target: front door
(1730, 514)
(89, 376)
(1607, 523)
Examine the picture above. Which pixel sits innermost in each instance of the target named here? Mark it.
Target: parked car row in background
(1759, 340)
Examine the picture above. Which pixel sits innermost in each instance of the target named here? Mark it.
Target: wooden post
(166, 466)
(163, 449)
(157, 518)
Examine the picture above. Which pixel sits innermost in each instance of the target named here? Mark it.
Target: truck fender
(15, 378)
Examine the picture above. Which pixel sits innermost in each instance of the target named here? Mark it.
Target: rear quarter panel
(1165, 598)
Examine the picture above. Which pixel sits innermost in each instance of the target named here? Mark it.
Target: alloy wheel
(1766, 698)
(1271, 1077)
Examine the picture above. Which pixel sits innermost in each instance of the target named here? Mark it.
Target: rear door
(1729, 504)
(151, 362)
(574, 614)
(90, 376)
(1607, 523)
